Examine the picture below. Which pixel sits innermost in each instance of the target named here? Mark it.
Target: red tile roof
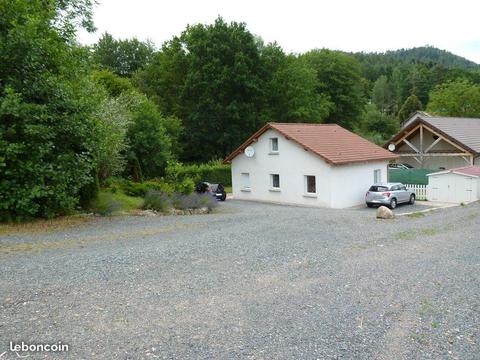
(467, 170)
(331, 142)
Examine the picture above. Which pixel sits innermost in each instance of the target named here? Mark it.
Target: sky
(302, 25)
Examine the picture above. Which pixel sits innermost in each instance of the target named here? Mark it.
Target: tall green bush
(148, 138)
(47, 106)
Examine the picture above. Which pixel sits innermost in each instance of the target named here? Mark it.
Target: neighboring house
(432, 142)
(308, 164)
(455, 185)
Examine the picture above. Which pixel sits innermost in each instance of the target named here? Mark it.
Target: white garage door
(452, 188)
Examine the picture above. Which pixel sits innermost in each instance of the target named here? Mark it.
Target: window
(310, 184)
(377, 176)
(378, 188)
(275, 181)
(245, 181)
(273, 145)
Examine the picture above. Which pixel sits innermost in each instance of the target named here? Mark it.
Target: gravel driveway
(402, 209)
(251, 281)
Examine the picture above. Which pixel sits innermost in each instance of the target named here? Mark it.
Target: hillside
(429, 54)
(424, 54)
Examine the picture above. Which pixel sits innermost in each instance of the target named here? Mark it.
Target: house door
(461, 189)
(439, 188)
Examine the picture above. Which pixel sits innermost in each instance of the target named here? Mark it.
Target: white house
(307, 164)
(455, 185)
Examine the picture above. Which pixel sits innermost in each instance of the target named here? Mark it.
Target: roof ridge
(451, 117)
(316, 124)
(466, 167)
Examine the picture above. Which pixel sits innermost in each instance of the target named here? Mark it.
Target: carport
(460, 185)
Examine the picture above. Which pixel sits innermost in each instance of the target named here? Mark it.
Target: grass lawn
(128, 202)
(228, 189)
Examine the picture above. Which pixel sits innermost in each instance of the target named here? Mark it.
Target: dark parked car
(399, 166)
(216, 190)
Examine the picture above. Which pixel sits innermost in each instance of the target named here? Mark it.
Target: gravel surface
(251, 281)
(401, 208)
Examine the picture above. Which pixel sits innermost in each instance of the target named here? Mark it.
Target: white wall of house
(336, 186)
(453, 188)
(351, 182)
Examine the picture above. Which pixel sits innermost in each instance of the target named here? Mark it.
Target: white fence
(420, 190)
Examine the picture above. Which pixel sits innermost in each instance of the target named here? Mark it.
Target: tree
(47, 106)
(419, 81)
(148, 140)
(383, 96)
(123, 57)
(113, 84)
(411, 104)
(163, 79)
(338, 77)
(400, 85)
(221, 89)
(113, 121)
(290, 89)
(140, 116)
(455, 98)
(376, 125)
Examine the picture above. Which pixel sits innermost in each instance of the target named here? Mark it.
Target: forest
(73, 117)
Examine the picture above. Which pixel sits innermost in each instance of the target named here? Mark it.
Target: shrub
(105, 204)
(156, 200)
(136, 189)
(214, 172)
(132, 188)
(193, 201)
(185, 187)
(89, 191)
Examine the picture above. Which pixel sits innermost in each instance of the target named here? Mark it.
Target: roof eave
(251, 139)
(452, 172)
(394, 157)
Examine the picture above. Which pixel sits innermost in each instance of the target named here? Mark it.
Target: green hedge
(410, 176)
(140, 189)
(214, 172)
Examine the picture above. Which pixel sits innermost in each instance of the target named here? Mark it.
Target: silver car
(389, 194)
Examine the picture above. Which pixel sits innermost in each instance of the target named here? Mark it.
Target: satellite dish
(249, 151)
(391, 147)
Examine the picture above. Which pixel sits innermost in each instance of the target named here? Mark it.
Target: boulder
(384, 213)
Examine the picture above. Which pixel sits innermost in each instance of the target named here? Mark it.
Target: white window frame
(305, 190)
(273, 188)
(272, 140)
(377, 176)
(243, 185)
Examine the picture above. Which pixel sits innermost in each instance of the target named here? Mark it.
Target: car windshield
(376, 188)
